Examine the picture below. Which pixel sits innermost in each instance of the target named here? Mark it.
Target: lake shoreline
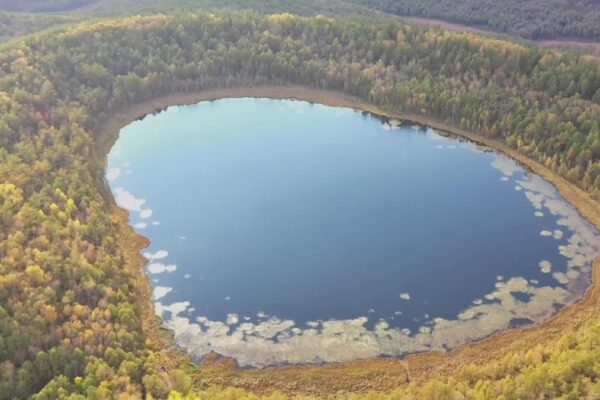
(356, 375)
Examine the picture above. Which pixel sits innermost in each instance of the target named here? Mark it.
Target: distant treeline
(532, 19)
(42, 5)
(73, 304)
(17, 24)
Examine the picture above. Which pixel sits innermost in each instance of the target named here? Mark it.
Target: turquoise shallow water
(287, 232)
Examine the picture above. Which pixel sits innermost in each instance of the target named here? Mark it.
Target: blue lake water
(289, 232)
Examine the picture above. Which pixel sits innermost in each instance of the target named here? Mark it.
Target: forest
(531, 19)
(75, 315)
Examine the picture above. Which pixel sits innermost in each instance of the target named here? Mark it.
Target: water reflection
(301, 233)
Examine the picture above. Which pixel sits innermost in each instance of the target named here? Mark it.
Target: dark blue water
(311, 213)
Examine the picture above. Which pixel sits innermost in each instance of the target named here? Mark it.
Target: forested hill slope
(531, 19)
(75, 311)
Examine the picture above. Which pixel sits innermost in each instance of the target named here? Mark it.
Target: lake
(288, 232)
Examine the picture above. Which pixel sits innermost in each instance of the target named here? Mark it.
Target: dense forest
(74, 304)
(532, 19)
